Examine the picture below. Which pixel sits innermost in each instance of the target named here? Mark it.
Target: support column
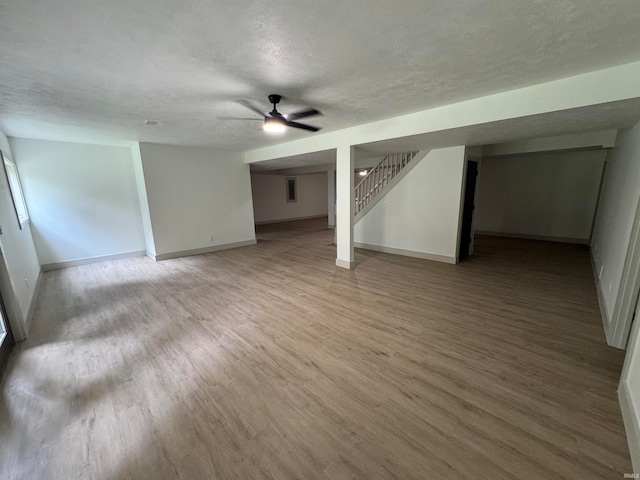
(344, 206)
(331, 197)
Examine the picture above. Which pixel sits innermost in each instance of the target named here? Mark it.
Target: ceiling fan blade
(302, 126)
(241, 118)
(253, 108)
(302, 114)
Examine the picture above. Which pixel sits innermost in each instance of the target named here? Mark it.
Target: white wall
(612, 235)
(552, 195)
(620, 195)
(82, 199)
(270, 202)
(20, 258)
(195, 194)
(420, 215)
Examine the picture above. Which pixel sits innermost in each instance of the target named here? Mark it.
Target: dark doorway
(6, 338)
(468, 208)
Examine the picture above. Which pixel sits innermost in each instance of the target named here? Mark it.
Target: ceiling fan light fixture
(273, 126)
(275, 122)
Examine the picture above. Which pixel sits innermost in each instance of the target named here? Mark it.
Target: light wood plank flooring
(269, 362)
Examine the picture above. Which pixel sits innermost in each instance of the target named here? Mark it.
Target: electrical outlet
(211, 239)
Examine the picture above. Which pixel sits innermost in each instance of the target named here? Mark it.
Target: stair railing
(379, 176)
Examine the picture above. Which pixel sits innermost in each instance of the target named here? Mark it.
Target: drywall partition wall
(199, 199)
(270, 201)
(420, 215)
(82, 199)
(614, 221)
(23, 268)
(549, 196)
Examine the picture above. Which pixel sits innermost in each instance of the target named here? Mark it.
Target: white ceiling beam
(606, 139)
(593, 88)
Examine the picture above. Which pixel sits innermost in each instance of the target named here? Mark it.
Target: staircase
(381, 178)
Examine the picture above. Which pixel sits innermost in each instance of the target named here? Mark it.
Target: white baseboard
(345, 264)
(32, 305)
(199, 251)
(85, 261)
(406, 253)
(525, 236)
(282, 220)
(631, 424)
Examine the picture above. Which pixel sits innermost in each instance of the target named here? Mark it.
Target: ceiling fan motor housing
(275, 99)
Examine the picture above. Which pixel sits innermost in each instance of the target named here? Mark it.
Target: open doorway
(6, 337)
(468, 209)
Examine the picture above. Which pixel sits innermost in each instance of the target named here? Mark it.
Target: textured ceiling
(95, 71)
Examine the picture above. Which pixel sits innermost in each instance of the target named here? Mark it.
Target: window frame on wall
(15, 188)
(291, 184)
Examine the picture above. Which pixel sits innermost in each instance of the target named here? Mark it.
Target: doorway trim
(618, 327)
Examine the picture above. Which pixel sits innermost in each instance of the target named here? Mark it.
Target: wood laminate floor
(269, 362)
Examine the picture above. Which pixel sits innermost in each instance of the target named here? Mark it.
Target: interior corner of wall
(474, 151)
(143, 198)
(135, 151)
(610, 142)
(16, 316)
